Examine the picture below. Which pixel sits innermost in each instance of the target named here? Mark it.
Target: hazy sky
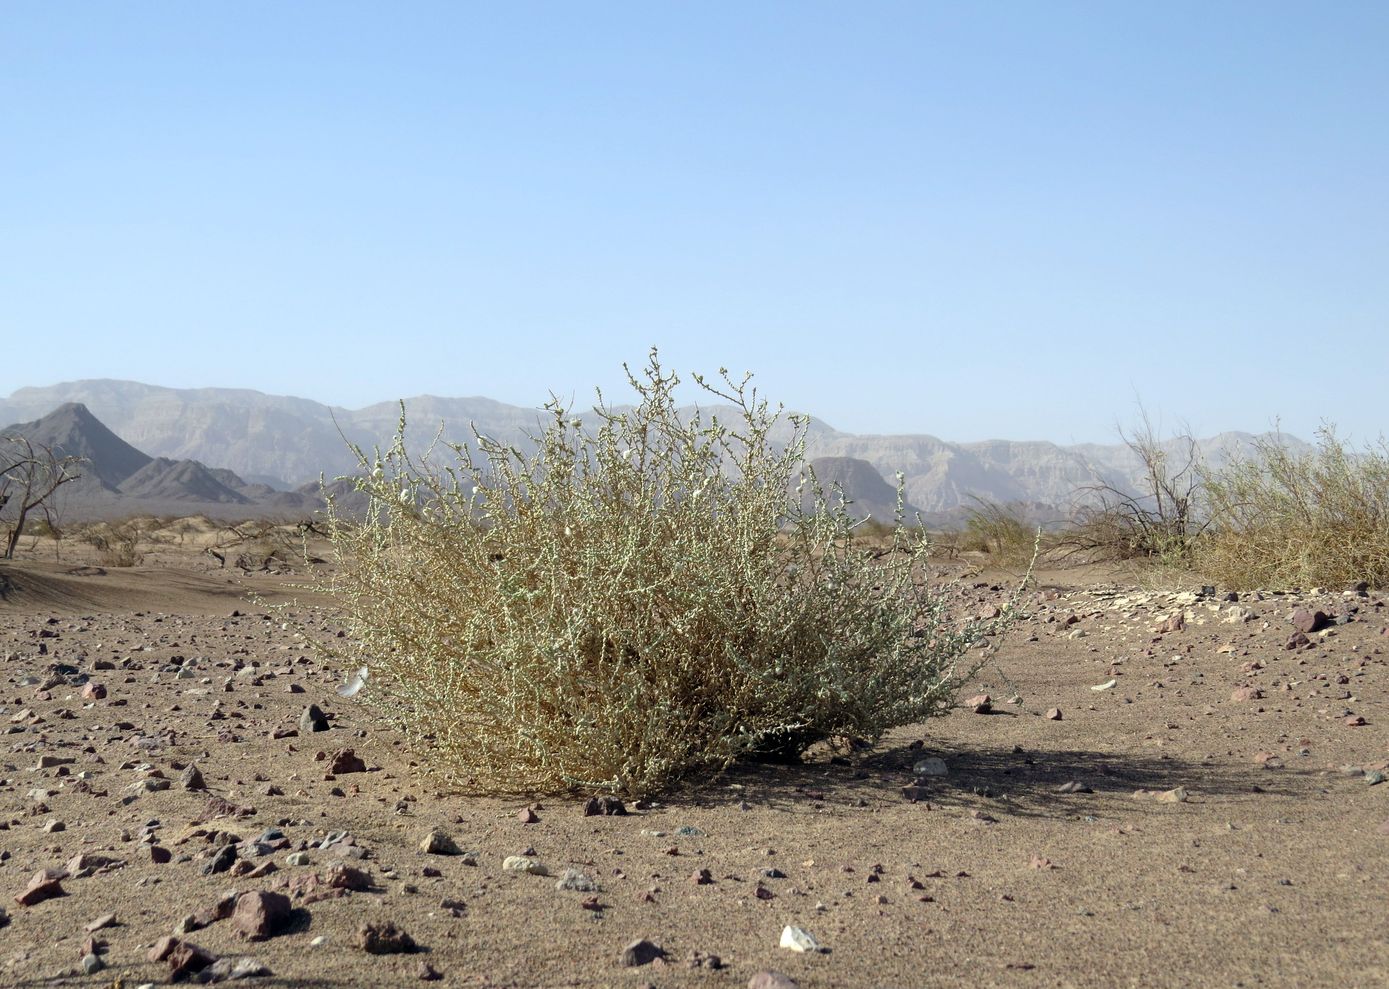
(967, 219)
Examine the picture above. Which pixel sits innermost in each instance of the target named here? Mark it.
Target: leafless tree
(1163, 518)
(30, 476)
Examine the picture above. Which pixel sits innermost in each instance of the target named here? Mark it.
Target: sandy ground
(1216, 839)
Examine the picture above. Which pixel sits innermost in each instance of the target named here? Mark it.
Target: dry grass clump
(633, 602)
(1282, 518)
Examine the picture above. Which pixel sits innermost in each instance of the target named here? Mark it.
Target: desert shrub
(632, 601)
(998, 530)
(1283, 518)
(116, 543)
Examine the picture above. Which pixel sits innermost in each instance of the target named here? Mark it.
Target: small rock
(1242, 695)
(525, 864)
(222, 861)
(1307, 621)
(426, 972)
(92, 963)
(346, 761)
(1177, 795)
(260, 915)
(297, 858)
(313, 720)
(439, 843)
(604, 806)
(772, 980)
(980, 704)
(934, 766)
(527, 816)
(231, 969)
(342, 876)
(1053, 714)
(101, 923)
(43, 885)
(94, 692)
(800, 940)
(383, 938)
(575, 881)
(640, 952)
(192, 778)
(186, 957)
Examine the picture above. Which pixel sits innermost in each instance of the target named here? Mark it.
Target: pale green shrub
(632, 602)
(1282, 518)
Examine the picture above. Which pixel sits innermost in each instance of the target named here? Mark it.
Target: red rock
(342, 876)
(346, 761)
(1307, 621)
(259, 915)
(43, 885)
(1054, 714)
(1355, 721)
(383, 938)
(980, 704)
(527, 816)
(1245, 694)
(162, 949)
(187, 957)
(94, 692)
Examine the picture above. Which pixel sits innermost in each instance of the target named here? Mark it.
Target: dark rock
(604, 806)
(222, 861)
(192, 778)
(312, 720)
(383, 938)
(640, 952)
(346, 761)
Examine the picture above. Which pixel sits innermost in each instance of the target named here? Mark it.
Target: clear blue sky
(969, 219)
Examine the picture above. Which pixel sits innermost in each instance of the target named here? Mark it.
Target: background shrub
(633, 601)
(1281, 518)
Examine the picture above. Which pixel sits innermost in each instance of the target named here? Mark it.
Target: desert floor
(1217, 836)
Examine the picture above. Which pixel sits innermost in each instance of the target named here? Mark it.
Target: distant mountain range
(267, 452)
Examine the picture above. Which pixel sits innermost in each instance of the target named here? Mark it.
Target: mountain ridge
(286, 442)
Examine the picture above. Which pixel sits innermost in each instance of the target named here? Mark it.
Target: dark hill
(163, 479)
(862, 487)
(72, 431)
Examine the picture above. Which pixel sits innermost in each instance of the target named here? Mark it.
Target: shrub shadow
(1002, 780)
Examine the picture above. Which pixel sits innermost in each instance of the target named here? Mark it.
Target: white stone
(797, 939)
